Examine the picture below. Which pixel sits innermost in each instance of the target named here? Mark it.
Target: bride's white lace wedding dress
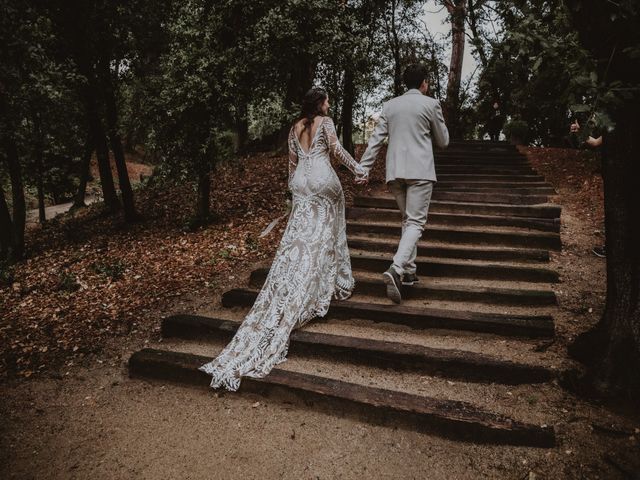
(310, 266)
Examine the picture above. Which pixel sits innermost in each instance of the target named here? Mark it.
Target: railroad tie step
(425, 249)
(458, 219)
(531, 326)
(453, 419)
(478, 197)
(547, 211)
(468, 366)
(454, 293)
(488, 177)
(441, 268)
(454, 234)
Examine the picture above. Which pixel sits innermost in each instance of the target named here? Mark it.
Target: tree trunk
(299, 83)
(102, 154)
(116, 146)
(39, 147)
(18, 220)
(6, 228)
(85, 165)
(203, 212)
(612, 349)
(242, 127)
(477, 41)
(42, 212)
(457, 12)
(348, 101)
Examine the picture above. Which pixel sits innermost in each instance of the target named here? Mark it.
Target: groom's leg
(398, 188)
(417, 198)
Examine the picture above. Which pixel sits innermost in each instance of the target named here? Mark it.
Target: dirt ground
(87, 419)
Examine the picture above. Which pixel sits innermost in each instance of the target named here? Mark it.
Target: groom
(412, 122)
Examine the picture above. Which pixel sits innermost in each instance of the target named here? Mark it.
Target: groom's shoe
(410, 279)
(393, 280)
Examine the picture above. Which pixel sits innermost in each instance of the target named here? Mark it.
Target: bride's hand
(362, 180)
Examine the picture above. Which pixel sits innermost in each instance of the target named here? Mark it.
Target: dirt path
(92, 421)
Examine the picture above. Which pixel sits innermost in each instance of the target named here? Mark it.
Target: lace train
(311, 265)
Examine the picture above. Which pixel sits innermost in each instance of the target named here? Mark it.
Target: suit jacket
(412, 122)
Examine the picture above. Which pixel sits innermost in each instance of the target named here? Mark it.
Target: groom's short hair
(414, 74)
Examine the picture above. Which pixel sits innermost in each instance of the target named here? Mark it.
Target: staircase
(471, 327)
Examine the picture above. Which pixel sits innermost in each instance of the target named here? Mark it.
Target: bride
(312, 261)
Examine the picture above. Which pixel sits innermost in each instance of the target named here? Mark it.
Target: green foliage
(537, 70)
(41, 108)
(113, 270)
(517, 130)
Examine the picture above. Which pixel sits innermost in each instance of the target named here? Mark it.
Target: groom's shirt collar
(412, 91)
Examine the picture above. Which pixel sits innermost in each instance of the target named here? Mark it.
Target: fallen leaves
(91, 277)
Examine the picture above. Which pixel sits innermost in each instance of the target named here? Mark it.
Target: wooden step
(442, 268)
(426, 249)
(499, 190)
(496, 161)
(453, 419)
(462, 235)
(424, 290)
(458, 219)
(481, 145)
(505, 198)
(468, 366)
(465, 177)
(488, 170)
(532, 326)
(494, 184)
(531, 211)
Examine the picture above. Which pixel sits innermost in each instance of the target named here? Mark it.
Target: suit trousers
(413, 198)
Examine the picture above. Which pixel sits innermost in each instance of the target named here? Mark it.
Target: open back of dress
(310, 266)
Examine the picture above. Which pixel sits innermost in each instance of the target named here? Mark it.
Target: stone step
(458, 219)
(484, 197)
(509, 238)
(467, 366)
(366, 284)
(531, 211)
(428, 249)
(459, 269)
(453, 419)
(532, 326)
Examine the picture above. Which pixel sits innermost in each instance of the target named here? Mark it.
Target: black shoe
(410, 279)
(393, 281)
(599, 251)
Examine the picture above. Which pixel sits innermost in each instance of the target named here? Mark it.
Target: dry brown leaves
(90, 278)
(575, 174)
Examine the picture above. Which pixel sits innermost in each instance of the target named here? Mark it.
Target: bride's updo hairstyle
(311, 103)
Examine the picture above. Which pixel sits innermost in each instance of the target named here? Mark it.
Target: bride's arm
(338, 151)
(293, 153)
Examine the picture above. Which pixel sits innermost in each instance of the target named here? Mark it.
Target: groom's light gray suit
(412, 122)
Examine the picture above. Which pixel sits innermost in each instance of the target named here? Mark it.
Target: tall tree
(610, 31)
(457, 13)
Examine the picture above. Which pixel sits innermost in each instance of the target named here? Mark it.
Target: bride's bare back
(305, 137)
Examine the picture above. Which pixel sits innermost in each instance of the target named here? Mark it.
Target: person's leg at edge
(417, 199)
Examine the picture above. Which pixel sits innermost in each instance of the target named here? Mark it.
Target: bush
(517, 131)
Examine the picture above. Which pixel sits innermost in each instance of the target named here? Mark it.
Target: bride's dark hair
(311, 106)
